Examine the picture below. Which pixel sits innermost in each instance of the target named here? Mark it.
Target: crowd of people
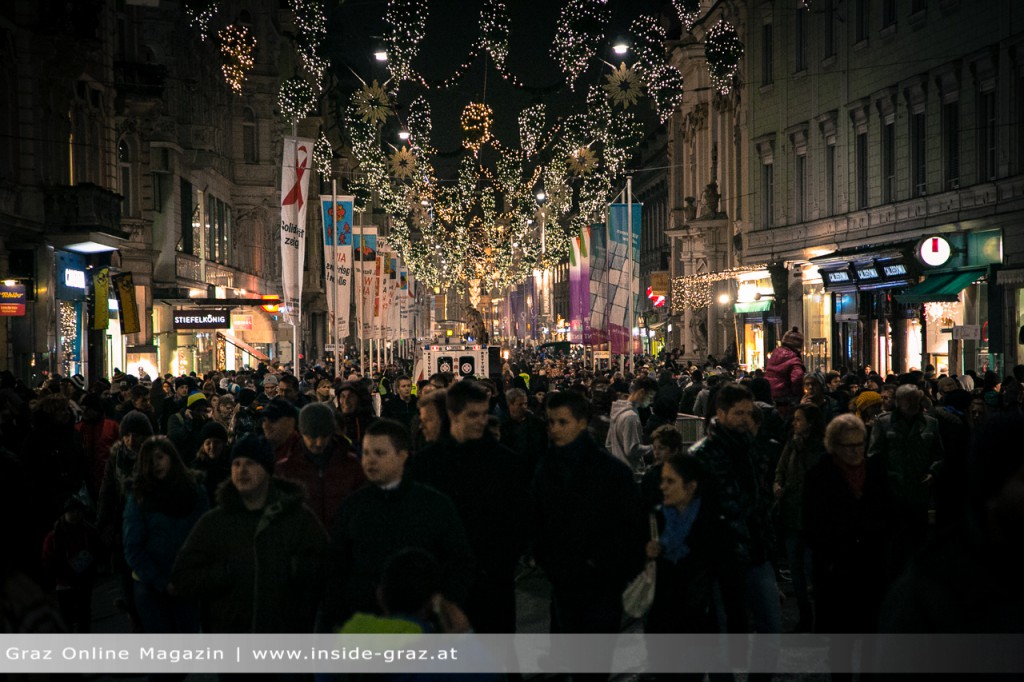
(280, 501)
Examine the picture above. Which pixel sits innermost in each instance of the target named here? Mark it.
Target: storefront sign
(867, 273)
(74, 278)
(12, 300)
(214, 318)
(895, 270)
(839, 277)
(967, 332)
(241, 323)
(934, 251)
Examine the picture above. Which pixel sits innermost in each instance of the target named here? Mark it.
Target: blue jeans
(753, 591)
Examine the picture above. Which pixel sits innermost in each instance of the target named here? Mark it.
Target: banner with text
(338, 262)
(623, 275)
(294, 192)
(364, 260)
(124, 284)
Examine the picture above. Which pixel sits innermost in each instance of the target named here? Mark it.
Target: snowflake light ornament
(583, 161)
(403, 163)
(373, 104)
(623, 87)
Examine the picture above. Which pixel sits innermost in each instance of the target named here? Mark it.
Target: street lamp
(620, 48)
(403, 134)
(380, 55)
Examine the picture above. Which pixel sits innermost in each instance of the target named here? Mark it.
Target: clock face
(934, 251)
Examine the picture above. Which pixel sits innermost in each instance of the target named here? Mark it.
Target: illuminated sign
(895, 270)
(867, 273)
(215, 318)
(74, 278)
(934, 251)
(839, 277)
(12, 299)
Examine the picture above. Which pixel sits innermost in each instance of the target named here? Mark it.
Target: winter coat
(70, 554)
(848, 538)
(798, 457)
(255, 571)
(625, 431)
(736, 491)
(97, 439)
(528, 439)
(372, 525)
(152, 538)
(683, 590)
(587, 520)
(185, 434)
(785, 372)
(117, 482)
(910, 449)
(399, 410)
(328, 478)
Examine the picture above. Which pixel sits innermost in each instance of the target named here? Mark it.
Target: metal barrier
(691, 427)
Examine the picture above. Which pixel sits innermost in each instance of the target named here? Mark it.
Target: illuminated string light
(323, 155)
(476, 122)
(722, 50)
(295, 99)
(237, 46)
(69, 333)
(665, 90)
(200, 13)
(581, 28)
(693, 292)
(311, 22)
(688, 11)
(494, 27)
(407, 19)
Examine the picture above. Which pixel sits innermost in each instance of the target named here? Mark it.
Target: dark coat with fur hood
(255, 571)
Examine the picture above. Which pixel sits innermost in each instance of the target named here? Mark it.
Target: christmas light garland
(693, 292)
(295, 99)
(323, 155)
(237, 46)
(688, 11)
(581, 28)
(407, 19)
(200, 13)
(723, 50)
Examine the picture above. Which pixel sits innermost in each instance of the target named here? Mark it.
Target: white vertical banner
(338, 247)
(404, 304)
(394, 305)
(365, 262)
(383, 260)
(294, 186)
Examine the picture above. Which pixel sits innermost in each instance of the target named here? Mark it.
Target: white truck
(461, 360)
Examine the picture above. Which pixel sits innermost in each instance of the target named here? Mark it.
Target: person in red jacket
(322, 462)
(785, 369)
(98, 435)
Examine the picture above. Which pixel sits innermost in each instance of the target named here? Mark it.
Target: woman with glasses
(846, 517)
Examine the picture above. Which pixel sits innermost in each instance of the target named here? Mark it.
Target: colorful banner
(597, 333)
(12, 300)
(294, 193)
(129, 310)
(100, 294)
(576, 310)
(623, 278)
(338, 262)
(364, 260)
(404, 304)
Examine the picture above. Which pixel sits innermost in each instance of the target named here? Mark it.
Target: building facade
(886, 179)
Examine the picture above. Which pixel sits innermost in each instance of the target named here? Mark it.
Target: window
(800, 40)
(767, 195)
(828, 33)
(987, 136)
(888, 13)
(862, 170)
(918, 169)
(951, 143)
(767, 63)
(800, 188)
(830, 179)
(889, 163)
(250, 149)
(187, 242)
(125, 177)
(860, 20)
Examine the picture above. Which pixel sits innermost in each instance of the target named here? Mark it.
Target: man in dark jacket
(184, 427)
(322, 462)
(402, 406)
(587, 521)
(737, 493)
(523, 432)
(390, 514)
(481, 478)
(255, 562)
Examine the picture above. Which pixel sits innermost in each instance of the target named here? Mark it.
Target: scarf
(677, 529)
(854, 475)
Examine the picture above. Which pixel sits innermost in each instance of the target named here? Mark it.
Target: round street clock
(934, 251)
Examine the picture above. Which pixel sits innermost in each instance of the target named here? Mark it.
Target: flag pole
(334, 271)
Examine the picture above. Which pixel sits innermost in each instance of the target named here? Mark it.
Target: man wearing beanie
(184, 427)
(785, 369)
(255, 561)
(134, 429)
(279, 421)
(212, 458)
(322, 462)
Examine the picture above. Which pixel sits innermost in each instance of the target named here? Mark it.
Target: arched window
(250, 147)
(126, 178)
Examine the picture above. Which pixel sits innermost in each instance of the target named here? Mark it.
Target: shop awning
(753, 307)
(242, 345)
(942, 286)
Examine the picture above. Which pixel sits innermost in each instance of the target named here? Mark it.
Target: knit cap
(317, 419)
(212, 429)
(197, 400)
(256, 448)
(136, 424)
(793, 339)
(866, 400)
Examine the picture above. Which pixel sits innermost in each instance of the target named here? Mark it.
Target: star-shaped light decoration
(373, 104)
(583, 161)
(403, 163)
(623, 87)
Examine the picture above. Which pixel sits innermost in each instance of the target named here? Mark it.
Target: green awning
(942, 286)
(753, 307)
